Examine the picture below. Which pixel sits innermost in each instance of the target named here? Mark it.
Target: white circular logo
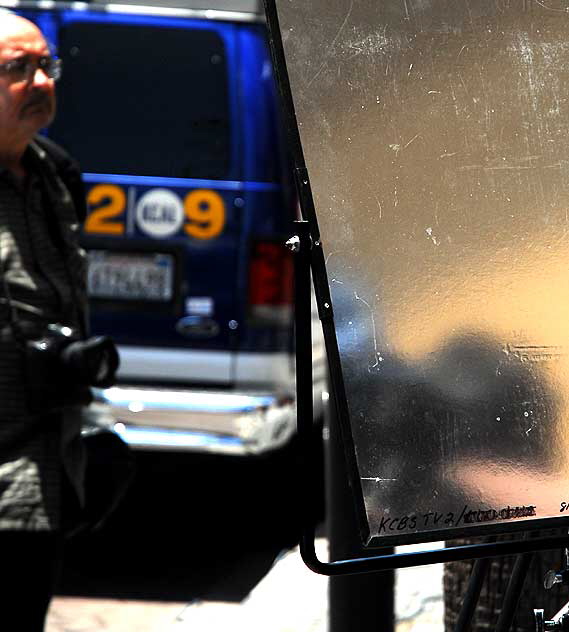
(160, 213)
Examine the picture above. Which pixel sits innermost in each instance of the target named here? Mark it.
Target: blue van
(173, 115)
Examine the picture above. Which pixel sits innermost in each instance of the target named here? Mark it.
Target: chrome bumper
(197, 421)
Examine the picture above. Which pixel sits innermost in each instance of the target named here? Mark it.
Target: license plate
(130, 276)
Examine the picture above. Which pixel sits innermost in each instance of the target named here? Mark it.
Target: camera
(61, 367)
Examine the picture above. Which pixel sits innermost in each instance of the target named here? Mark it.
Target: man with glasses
(42, 282)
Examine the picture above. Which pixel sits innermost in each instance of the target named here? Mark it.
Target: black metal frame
(310, 259)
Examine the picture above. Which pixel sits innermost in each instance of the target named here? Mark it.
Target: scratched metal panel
(436, 136)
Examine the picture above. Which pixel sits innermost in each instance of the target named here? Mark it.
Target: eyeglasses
(24, 68)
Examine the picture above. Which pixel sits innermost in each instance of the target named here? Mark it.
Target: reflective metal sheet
(436, 140)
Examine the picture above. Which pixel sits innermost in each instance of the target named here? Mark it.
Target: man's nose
(40, 78)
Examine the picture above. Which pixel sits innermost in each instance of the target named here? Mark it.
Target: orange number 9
(205, 211)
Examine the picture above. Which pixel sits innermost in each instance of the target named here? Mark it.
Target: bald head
(12, 25)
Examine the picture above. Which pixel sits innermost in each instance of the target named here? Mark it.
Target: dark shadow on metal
(303, 247)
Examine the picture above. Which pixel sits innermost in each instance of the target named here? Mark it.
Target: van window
(144, 100)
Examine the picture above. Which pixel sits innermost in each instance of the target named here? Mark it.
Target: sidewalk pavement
(289, 599)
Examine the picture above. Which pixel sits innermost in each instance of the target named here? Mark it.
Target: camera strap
(55, 184)
(69, 171)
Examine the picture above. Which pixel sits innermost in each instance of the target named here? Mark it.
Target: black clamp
(556, 577)
(560, 624)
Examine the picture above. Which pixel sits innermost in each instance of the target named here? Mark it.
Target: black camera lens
(93, 361)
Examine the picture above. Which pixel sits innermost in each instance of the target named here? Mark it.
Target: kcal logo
(160, 213)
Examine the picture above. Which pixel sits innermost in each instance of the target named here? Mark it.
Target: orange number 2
(113, 200)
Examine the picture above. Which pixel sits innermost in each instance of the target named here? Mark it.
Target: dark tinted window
(144, 100)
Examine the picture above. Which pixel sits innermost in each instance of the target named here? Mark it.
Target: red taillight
(271, 282)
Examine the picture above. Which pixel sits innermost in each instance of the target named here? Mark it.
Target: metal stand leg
(359, 601)
(356, 602)
(511, 598)
(513, 592)
(472, 595)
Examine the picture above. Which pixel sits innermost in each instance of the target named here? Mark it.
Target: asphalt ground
(290, 598)
(185, 527)
(207, 544)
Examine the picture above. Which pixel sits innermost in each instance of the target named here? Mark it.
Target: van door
(147, 104)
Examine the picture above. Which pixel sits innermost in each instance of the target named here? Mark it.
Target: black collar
(33, 160)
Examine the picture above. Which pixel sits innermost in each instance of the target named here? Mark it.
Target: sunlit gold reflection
(436, 138)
